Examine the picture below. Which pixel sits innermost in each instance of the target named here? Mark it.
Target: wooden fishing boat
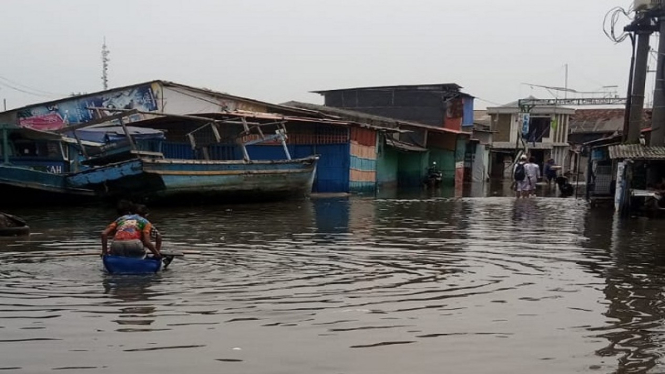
(34, 169)
(179, 167)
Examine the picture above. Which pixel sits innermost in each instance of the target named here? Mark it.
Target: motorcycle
(433, 177)
(565, 188)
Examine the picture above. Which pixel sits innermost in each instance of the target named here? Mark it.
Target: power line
(25, 91)
(487, 101)
(18, 86)
(613, 16)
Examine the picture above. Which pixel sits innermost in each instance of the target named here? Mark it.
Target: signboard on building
(525, 119)
(78, 109)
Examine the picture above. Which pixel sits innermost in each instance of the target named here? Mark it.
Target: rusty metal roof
(403, 146)
(372, 119)
(423, 87)
(596, 121)
(636, 152)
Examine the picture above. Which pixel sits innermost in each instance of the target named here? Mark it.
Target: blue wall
(332, 173)
(467, 120)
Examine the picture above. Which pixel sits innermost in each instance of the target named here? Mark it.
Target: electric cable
(613, 16)
(25, 91)
(28, 88)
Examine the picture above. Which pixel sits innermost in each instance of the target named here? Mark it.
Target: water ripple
(510, 283)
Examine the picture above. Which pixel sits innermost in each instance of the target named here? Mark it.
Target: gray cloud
(279, 50)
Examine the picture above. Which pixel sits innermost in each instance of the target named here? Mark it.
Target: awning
(402, 146)
(636, 152)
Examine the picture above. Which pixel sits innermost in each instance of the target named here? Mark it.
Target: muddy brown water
(414, 284)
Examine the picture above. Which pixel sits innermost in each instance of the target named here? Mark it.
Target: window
(539, 128)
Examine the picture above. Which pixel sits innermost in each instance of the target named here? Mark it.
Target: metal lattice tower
(105, 65)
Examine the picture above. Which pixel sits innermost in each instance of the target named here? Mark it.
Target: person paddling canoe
(131, 233)
(143, 211)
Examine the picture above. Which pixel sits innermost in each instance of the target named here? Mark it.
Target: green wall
(445, 160)
(386, 166)
(411, 168)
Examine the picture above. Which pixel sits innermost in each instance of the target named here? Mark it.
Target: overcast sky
(279, 50)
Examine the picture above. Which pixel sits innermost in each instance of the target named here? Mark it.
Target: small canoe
(11, 225)
(131, 265)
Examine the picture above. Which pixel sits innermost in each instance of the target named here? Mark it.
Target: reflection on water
(419, 283)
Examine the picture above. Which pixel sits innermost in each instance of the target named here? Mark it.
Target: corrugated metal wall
(362, 172)
(332, 143)
(468, 111)
(181, 151)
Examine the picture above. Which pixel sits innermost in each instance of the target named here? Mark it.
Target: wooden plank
(147, 153)
(172, 252)
(129, 136)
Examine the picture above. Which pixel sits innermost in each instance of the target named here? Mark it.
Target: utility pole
(565, 92)
(639, 82)
(658, 116)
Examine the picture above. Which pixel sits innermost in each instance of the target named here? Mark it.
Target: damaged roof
(636, 152)
(275, 108)
(598, 121)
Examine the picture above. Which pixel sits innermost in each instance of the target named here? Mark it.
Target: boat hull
(129, 265)
(32, 187)
(169, 180)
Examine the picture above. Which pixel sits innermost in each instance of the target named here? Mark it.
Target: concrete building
(547, 137)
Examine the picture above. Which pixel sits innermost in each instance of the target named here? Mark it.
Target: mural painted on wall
(77, 109)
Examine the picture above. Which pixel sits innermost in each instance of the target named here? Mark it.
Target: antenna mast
(105, 65)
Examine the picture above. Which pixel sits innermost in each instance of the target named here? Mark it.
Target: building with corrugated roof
(347, 149)
(445, 108)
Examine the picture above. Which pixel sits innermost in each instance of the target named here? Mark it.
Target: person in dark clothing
(550, 171)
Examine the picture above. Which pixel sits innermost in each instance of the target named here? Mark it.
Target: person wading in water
(131, 233)
(521, 182)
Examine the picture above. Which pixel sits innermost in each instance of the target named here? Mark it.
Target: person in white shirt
(521, 181)
(532, 175)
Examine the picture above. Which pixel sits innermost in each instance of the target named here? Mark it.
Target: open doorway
(541, 156)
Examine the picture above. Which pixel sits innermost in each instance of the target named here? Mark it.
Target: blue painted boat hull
(129, 265)
(34, 187)
(169, 179)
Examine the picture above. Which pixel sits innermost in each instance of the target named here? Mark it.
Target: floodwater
(399, 284)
